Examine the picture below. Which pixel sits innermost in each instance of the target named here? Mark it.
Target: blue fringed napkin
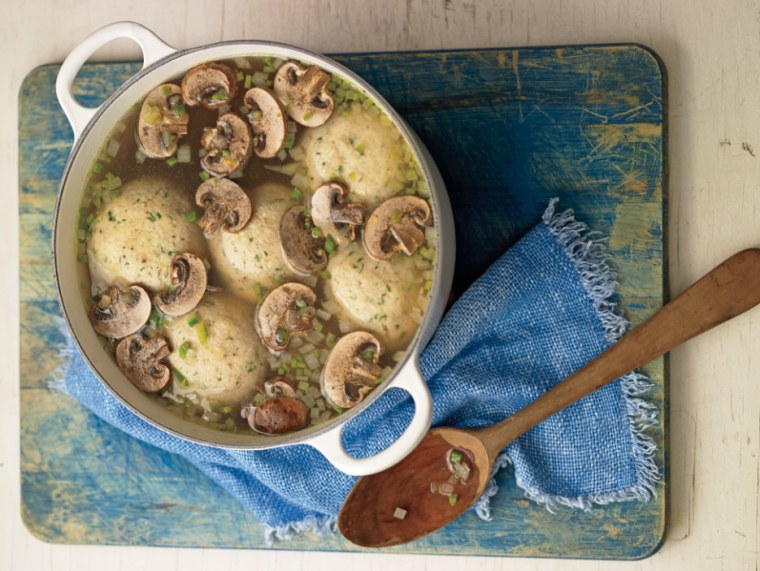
(540, 312)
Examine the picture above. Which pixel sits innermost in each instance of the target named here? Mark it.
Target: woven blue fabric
(540, 312)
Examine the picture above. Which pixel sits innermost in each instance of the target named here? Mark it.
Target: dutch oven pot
(92, 126)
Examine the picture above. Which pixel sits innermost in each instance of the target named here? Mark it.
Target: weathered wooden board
(510, 129)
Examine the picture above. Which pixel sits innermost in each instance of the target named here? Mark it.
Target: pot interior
(65, 243)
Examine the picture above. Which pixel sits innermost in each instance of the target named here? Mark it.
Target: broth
(138, 213)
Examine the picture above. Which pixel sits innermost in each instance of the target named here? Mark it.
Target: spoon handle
(727, 291)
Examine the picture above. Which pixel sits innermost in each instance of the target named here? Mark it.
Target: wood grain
(510, 129)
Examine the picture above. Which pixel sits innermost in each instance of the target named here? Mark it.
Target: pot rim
(441, 282)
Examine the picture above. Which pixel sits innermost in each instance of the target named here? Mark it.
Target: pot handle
(152, 47)
(411, 380)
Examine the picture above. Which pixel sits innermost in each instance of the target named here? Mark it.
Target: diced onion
(296, 342)
(260, 79)
(112, 149)
(184, 154)
(282, 155)
(310, 281)
(330, 307)
(430, 237)
(398, 355)
(323, 315)
(242, 63)
(140, 156)
(312, 360)
(297, 153)
(315, 337)
(307, 348)
(344, 325)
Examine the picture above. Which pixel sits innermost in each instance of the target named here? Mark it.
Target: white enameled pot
(92, 126)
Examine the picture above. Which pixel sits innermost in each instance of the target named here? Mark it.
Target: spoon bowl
(404, 503)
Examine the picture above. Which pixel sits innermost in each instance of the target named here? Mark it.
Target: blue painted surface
(509, 130)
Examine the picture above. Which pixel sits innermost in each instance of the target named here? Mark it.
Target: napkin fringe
(588, 252)
(320, 525)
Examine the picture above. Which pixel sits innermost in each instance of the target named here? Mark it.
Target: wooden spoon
(397, 506)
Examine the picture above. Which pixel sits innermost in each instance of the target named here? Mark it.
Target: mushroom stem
(352, 369)
(397, 225)
(305, 91)
(118, 314)
(304, 251)
(285, 312)
(189, 280)
(140, 360)
(225, 204)
(328, 208)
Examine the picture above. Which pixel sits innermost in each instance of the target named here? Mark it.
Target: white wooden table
(712, 53)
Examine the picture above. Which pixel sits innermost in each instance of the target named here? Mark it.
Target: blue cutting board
(509, 128)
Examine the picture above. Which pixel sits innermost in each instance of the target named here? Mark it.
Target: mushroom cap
(135, 235)
(397, 226)
(251, 261)
(189, 282)
(305, 91)
(140, 360)
(228, 363)
(161, 123)
(279, 387)
(201, 85)
(226, 205)
(285, 312)
(352, 369)
(279, 415)
(228, 146)
(268, 121)
(329, 208)
(119, 314)
(304, 253)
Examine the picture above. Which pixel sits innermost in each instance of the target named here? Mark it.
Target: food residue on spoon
(447, 469)
(459, 470)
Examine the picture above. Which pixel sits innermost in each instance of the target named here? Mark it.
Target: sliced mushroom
(285, 312)
(210, 84)
(277, 415)
(188, 285)
(302, 248)
(268, 121)
(140, 360)
(305, 93)
(225, 205)
(329, 208)
(397, 225)
(163, 120)
(352, 369)
(121, 313)
(279, 387)
(227, 147)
